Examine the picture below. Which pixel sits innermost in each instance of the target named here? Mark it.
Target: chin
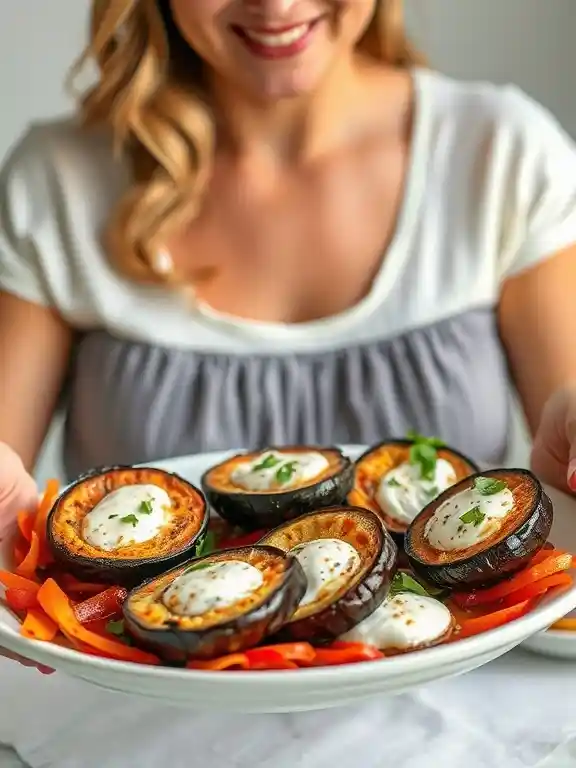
(289, 84)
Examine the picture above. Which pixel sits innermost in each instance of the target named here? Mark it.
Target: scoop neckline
(393, 257)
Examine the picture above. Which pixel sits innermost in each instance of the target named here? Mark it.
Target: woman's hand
(554, 452)
(17, 491)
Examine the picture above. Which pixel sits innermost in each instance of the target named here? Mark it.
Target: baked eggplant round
(215, 605)
(121, 525)
(263, 489)
(349, 560)
(480, 530)
(398, 478)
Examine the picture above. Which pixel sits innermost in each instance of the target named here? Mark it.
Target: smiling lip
(277, 42)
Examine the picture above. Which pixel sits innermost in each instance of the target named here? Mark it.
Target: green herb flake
(286, 471)
(415, 437)
(473, 517)
(488, 486)
(267, 463)
(393, 483)
(207, 545)
(111, 517)
(130, 519)
(116, 628)
(146, 507)
(403, 582)
(423, 452)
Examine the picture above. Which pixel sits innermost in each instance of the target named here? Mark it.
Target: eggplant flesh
(508, 549)
(366, 588)
(179, 540)
(253, 510)
(383, 458)
(176, 638)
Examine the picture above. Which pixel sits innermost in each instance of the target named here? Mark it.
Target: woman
(273, 226)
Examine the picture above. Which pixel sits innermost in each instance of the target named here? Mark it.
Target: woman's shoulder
(504, 111)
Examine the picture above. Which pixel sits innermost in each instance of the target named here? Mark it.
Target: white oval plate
(267, 692)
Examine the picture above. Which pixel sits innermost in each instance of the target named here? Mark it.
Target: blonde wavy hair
(150, 92)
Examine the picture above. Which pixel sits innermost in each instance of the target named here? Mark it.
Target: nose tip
(270, 7)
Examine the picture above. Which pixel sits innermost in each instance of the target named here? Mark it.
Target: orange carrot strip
(552, 564)
(25, 525)
(14, 581)
(21, 549)
(27, 567)
(38, 626)
(57, 605)
(539, 588)
(231, 661)
(544, 554)
(492, 620)
(50, 494)
(568, 625)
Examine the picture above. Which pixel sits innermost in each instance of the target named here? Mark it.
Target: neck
(288, 129)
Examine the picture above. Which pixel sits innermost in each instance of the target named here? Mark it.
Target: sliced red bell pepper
(492, 620)
(14, 581)
(550, 565)
(21, 599)
(539, 588)
(280, 656)
(105, 605)
(72, 585)
(345, 653)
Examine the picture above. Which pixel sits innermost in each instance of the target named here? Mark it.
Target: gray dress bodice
(132, 402)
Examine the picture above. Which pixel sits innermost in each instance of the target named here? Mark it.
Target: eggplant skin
(260, 511)
(355, 605)
(177, 645)
(497, 561)
(127, 572)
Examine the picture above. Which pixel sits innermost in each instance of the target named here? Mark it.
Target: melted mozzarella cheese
(219, 585)
(272, 470)
(403, 622)
(403, 492)
(326, 563)
(129, 515)
(467, 518)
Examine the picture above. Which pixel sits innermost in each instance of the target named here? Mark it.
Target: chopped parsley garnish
(267, 463)
(474, 517)
(403, 582)
(284, 474)
(111, 517)
(130, 519)
(423, 452)
(207, 545)
(146, 507)
(116, 628)
(488, 486)
(393, 483)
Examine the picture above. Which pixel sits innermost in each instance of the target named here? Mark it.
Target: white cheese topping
(273, 470)
(403, 622)
(218, 585)
(326, 563)
(129, 515)
(467, 518)
(403, 492)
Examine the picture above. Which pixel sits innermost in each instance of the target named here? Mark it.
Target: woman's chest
(309, 248)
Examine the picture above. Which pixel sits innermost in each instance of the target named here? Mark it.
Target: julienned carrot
(492, 620)
(28, 566)
(25, 525)
(57, 605)
(550, 565)
(14, 581)
(38, 626)
(50, 494)
(538, 588)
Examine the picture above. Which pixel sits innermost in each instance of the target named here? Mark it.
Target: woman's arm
(537, 317)
(34, 351)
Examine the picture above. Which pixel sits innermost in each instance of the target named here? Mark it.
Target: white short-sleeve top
(491, 191)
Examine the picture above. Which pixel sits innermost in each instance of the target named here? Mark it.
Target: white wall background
(529, 42)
